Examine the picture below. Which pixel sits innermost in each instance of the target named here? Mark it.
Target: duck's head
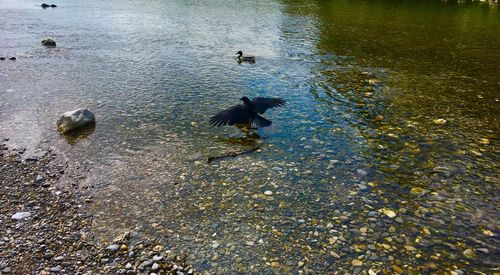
(239, 53)
(245, 100)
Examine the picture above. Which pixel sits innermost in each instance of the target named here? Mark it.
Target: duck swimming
(244, 58)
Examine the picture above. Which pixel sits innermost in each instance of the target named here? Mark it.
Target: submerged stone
(469, 253)
(388, 212)
(439, 121)
(356, 262)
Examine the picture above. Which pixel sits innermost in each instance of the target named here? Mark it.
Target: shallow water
(392, 109)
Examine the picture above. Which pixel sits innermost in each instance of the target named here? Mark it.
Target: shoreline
(57, 236)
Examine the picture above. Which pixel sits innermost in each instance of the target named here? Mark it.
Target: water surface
(386, 153)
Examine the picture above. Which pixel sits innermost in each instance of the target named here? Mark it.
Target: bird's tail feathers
(259, 122)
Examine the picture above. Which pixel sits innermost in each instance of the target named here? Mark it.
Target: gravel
(43, 230)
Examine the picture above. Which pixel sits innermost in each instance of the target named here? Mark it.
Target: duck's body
(244, 58)
(246, 116)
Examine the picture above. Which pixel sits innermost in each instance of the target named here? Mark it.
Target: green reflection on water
(430, 116)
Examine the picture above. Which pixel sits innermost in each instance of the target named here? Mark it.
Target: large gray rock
(75, 119)
(48, 42)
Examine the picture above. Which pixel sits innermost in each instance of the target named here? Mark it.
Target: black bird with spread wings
(247, 115)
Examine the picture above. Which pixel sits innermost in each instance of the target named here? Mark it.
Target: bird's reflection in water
(249, 143)
(251, 139)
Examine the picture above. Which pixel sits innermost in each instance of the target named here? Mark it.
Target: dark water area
(385, 158)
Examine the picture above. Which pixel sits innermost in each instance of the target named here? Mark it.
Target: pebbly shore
(45, 228)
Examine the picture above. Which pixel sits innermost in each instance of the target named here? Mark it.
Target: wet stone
(362, 187)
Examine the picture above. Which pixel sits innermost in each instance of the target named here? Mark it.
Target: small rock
(55, 269)
(362, 187)
(250, 243)
(38, 178)
(484, 250)
(410, 248)
(469, 253)
(417, 190)
(439, 121)
(48, 42)
(158, 248)
(155, 267)
(157, 258)
(333, 240)
(335, 255)
(113, 247)
(362, 172)
(356, 262)
(75, 119)
(484, 141)
(488, 233)
(47, 256)
(145, 264)
(128, 266)
(275, 264)
(268, 193)
(195, 156)
(300, 264)
(397, 269)
(21, 215)
(388, 212)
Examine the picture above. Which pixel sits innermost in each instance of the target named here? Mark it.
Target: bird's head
(239, 53)
(245, 100)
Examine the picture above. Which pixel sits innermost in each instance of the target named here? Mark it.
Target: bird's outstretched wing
(264, 103)
(235, 115)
